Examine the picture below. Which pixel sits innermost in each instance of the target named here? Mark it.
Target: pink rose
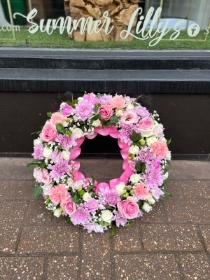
(117, 102)
(49, 133)
(129, 117)
(140, 191)
(128, 209)
(145, 123)
(105, 112)
(58, 194)
(68, 207)
(159, 149)
(66, 109)
(57, 118)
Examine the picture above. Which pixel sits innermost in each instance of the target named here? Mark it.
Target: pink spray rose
(128, 209)
(140, 191)
(129, 117)
(49, 133)
(159, 149)
(57, 118)
(58, 194)
(145, 123)
(117, 102)
(105, 112)
(68, 207)
(66, 109)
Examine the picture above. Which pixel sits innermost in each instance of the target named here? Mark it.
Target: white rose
(146, 207)
(168, 155)
(46, 189)
(86, 196)
(135, 178)
(77, 132)
(119, 112)
(96, 123)
(66, 155)
(47, 152)
(57, 212)
(151, 140)
(37, 142)
(134, 150)
(150, 199)
(147, 133)
(106, 216)
(130, 106)
(120, 188)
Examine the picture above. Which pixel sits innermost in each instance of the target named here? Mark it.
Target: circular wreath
(97, 206)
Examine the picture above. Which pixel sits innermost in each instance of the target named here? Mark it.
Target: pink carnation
(69, 207)
(129, 117)
(105, 112)
(58, 194)
(57, 118)
(159, 149)
(42, 176)
(84, 109)
(140, 191)
(117, 102)
(128, 209)
(49, 133)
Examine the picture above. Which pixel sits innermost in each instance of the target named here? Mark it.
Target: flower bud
(142, 142)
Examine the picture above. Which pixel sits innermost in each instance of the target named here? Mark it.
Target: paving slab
(170, 242)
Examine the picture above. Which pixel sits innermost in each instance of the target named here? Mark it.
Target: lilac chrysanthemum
(84, 109)
(125, 133)
(105, 99)
(153, 176)
(145, 155)
(66, 141)
(93, 227)
(142, 111)
(38, 152)
(59, 169)
(80, 216)
(157, 192)
(119, 220)
(91, 97)
(111, 198)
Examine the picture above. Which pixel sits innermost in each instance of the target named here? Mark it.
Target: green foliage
(169, 141)
(60, 128)
(135, 137)
(140, 166)
(49, 114)
(67, 218)
(140, 203)
(167, 192)
(69, 132)
(114, 120)
(76, 197)
(37, 163)
(112, 232)
(37, 190)
(166, 181)
(96, 117)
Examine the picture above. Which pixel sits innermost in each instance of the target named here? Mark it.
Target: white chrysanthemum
(150, 199)
(119, 112)
(151, 140)
(120, 188)
(135, 178)
(77, 132)
(106, 216)
(134, 150)
(146, 207)
(96, 123)
(147, 132)
(47, 152)
(86, 196)
(37, 142)
(66, 155)
(130, 106)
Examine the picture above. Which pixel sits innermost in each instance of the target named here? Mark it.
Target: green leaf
(37, 132)
(42, 165)
(140, 166)
(135, 137)
(60, 128)
(33, 164)
(49, 114)
(37, 190)
(167, 192)
(76, 197)
(141, 203)
(112, 232)
(96, 117)
(67, 218)
(114, 120)
(69, 132)
(169, 141)
(138, 98)
(166, 181)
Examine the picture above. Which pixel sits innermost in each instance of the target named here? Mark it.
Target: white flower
(168, 155)
(119, 112)
(77, 132)
(130, 106)
(86, 196)
(66, 155)
(151, 140)
(37, 141)
(135, 178)
(150, 199)
(96, 123)
(106, 216)
(146, 207)
(46, 189)
(57, 212)
(147, 132)
(165, 176)
(120, 188)
(134, 150)
(47, 152)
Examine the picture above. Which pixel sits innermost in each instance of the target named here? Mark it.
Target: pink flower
(128, 209)
(66, 110)
(129, 117)
(49, 133)
(58, 194)
(145, 124)
(105, 112)
(38, 152)
(42, 176)
(84, 109)
(159, 149)
(92, 205)
(69, 207)
(140, 191)
(57, 118)
(91, 97)
(117, 102)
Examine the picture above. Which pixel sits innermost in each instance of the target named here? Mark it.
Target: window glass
(126, 24)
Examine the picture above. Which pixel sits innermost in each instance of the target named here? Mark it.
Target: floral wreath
(97, 206)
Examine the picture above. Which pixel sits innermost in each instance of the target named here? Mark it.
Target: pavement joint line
(45, 268)
(178, 262)
(203, 242)
(160, 252)
(112, 259)
(36, 255)
(79, 253)
(182, 191)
